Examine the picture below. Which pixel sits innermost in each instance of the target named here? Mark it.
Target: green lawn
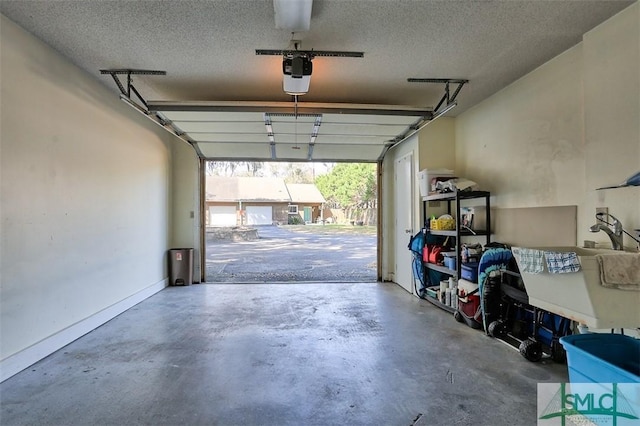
(332, 229)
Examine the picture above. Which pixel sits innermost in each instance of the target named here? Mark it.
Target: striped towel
(562, 262)
(530, 261)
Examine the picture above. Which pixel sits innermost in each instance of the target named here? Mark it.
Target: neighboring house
(233, 201)
(306, 201)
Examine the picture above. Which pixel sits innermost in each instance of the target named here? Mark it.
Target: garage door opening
(290, 222)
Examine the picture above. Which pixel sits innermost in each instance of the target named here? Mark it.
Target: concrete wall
(567, 128)
(85, 201)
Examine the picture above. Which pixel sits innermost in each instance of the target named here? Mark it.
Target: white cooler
(425, 176)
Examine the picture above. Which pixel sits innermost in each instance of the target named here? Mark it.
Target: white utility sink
(580, 296)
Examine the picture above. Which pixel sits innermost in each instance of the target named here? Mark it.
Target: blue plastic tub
(602, 358)
(450, 262)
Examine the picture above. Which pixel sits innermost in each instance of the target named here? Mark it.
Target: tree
(299, 173)
(234, 168)
(350, 185)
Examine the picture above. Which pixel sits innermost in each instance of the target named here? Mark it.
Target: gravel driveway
(281, 255)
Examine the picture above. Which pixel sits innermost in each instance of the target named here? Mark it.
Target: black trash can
(180, 266)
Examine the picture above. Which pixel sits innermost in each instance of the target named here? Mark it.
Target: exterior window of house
(293, 209)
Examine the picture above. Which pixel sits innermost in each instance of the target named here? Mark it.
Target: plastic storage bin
(602, 358)
(433, 292)
(450, 259)
(443, 223)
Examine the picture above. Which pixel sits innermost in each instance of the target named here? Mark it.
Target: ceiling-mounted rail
(309, 53)
(447, 99)
(114, 73)
(158, 118)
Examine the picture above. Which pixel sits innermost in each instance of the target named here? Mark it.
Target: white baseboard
(29, 356)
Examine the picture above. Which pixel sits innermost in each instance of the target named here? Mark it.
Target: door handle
(408, 231)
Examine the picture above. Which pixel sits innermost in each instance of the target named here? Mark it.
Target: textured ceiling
(208, 48)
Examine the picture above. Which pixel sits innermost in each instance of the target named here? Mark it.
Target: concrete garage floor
(287, 354)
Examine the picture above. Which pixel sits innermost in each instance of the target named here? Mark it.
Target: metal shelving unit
(453, 200)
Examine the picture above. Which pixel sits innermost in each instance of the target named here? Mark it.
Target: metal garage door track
(282, 255)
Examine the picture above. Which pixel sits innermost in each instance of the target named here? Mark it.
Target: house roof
(233, 189)
(305, 193)
(226, 189)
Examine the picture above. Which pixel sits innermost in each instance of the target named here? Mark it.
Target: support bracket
(125, 95)
(448, 98)
(114, 73)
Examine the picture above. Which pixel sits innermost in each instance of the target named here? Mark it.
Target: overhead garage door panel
(274, 131)
(230, 127)
(235, 150)
(227, 137)
(302, 129)
(351, 140)
(222, 216)
(292, 138)
(259, 215)
(399, 120)
(361, 129)
(298, 152)
(213, 116)
(280, 119)
(347, 153)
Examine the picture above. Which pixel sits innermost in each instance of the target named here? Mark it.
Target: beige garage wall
(437, 144)
(612, 117)
(185, 208)
(525, 144)
(85, 201)
(388, 219)
(554, 136)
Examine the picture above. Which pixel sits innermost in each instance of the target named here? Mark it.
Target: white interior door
(403, 205)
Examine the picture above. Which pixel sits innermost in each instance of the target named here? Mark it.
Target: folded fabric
(530, 261)
(559, 262)
(620, 270)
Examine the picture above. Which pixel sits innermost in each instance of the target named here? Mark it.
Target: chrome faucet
(613, 229)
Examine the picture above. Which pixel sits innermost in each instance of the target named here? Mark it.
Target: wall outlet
(603, 210)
